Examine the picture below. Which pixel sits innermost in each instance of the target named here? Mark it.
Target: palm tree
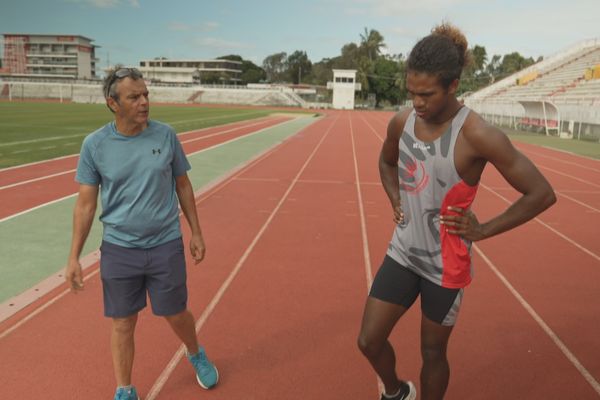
(371, 43)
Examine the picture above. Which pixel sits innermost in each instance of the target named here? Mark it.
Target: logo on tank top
(421, 146)
(413, 178)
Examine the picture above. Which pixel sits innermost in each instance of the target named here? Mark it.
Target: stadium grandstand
(557, 96)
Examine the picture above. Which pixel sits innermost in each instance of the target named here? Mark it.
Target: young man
(140, 169)
(430, 166)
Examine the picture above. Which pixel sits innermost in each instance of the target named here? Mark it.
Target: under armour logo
(155, 151)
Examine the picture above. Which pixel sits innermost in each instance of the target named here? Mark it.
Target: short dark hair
(443, 53)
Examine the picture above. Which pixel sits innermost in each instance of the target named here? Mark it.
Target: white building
(191, 71)
(49, 56)
(344, 85)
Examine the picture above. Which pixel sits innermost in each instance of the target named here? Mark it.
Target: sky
(128, 31)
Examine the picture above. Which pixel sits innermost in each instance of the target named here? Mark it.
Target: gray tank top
(429, 183)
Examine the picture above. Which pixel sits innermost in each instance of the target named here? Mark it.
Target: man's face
(428, 95)
(133, 105)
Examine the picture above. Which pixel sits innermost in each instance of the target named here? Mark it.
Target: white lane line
(41, 178)
(36, 207)
(361, 211)
(190, 154)
(525, 150)
(15, 304)
(179, 134)
(369, 270)
(581, 203)
(38, 162)
(553, 336)
(166, 373)
(23, 300)
(570, 176)
(224, 132)
(565, 237)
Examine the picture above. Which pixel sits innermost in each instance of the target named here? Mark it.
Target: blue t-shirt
(136, 175)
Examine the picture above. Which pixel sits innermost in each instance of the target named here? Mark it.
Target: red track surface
(34, 184)
(279, 297)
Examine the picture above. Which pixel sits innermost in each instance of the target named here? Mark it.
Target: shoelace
(201, 363)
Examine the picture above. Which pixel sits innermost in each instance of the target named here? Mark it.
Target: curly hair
(443, 53)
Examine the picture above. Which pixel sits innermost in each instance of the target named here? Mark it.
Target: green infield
(39, 131)
(580, 147)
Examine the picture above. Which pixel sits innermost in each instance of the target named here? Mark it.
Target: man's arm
(185, 193)
(83, 217)
(388, 164)
(493, 145)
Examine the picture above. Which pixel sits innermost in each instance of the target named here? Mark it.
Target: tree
(274, 66)
(479, 55)
(387, 80)
(297, 65)
(371, 43)
(251, 73)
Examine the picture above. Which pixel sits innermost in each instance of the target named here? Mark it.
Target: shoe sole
(206, 387)
(412, 391)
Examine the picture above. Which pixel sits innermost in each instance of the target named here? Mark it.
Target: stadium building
(191, 71)
(49, 56)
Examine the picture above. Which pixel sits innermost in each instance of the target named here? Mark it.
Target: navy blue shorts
(394, 283)
(129, 273)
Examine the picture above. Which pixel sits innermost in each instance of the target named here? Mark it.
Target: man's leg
(435, 372)
(184, 326)
(440, 307)
(123, 348)
(378, 321)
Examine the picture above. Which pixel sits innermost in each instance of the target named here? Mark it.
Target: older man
(140, 169)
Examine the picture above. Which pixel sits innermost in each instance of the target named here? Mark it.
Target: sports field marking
(41, 178)
(570, 176)
(190, 154)
(166, 373)
(564, 161)
(223, 132)
(15, 304)
(38, 162)
(581, 203)
(191, 140)
(361, 211)
(44, 306)
(185, 121)
(85, 134)
(36, 207)
(363, 224)
(77, 154)
(565, 237)
(41, 140)
(565, 350)
(571, 153)
(508, 188)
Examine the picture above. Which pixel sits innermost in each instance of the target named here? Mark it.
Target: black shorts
(397, 284)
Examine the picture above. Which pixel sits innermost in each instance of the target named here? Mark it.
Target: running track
(293, 241)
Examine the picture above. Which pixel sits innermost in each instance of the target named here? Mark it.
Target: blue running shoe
(126, 394)
(206, 372)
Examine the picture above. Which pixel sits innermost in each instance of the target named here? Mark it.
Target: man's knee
(369, 346)
(124, 326)
(433, 352)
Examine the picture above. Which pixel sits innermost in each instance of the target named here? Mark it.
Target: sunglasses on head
(123, 73)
